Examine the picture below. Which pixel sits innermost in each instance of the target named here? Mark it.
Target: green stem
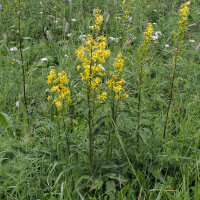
(90, 131)
(171, 91)
(139, 105)
(22, 63)
(90, 120)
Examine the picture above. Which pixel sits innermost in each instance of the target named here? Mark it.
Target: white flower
(157, 33)
(69, 34)
(155, 10)
(117, 17)
(13, 49)
(154, 37)
(41, 4)
(129, 18)
(167, 45)
(188, 3)
(17, 103)
(192, 41)
(154, 23)
(74, 20)
(82, 36)
(47, 90)
(66, 56)
(44, 59)
(113, 39)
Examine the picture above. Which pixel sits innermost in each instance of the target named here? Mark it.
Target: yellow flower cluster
(103, 96)
(148, 33)
(98, 20)
(147, 40)
(115, 82)
(126, 9)
(60, 91)
(183, 14)
(92, 55)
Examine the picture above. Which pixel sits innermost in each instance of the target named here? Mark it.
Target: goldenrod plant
(142, 57)
(179, 35)
(92, 56)
(116, 92)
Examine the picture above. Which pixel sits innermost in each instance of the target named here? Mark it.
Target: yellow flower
(103, 96)
(116, 97)
(59, 90)
(78, 67)
(142, 50)
(125, 95)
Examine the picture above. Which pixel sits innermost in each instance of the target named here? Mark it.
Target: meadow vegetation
(99, 99)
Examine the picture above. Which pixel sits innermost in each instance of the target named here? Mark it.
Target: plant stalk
(171, 91)
(22, 63)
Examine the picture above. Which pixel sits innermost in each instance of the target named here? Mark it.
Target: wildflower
(41, 4)
(92, 51)
(12, 63)
(66, 56)
(14, 49)
(82, 37)
(154, 37)
(188, 3)
(115, 83)
(17, 103)
(125, 95)
(59, 89)
(129, 18)
(73, 20)
(192, 41)
(103, 96)
(113, 39)
(167, 45)
(118, 18)
(183, 14)
(192, 25)
(70, 3)
(44, 59)
(147, 40)
(148, 6)
(98, 20)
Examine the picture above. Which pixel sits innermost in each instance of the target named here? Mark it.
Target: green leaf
(97, 184)
(157, 175)
(4, 120)
(111, 189)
